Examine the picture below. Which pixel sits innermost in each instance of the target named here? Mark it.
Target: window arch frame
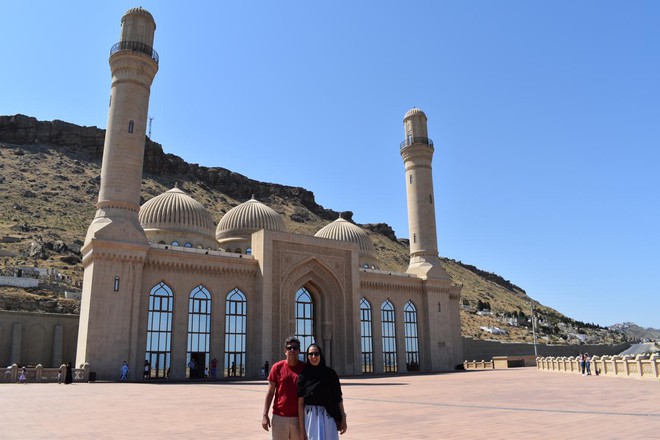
(411, 336)
(388, 326)
(235, 333)
(304, 318)
(158, 349)
(366, 336)
(199, 330)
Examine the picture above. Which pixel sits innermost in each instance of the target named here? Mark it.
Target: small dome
(249, 217)
(174, 210)
(414, 111)
(139, 10)
(343, 230)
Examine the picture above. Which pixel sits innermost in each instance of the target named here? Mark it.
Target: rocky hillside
(49, 173)
(635, 332)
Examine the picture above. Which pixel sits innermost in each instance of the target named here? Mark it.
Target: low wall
(40, 374)
(19, 282)
(639, 367)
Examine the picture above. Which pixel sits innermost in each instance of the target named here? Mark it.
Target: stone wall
(19, 282)
(47, 339)
(476, 349)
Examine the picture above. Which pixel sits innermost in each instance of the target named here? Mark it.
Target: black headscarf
(320, 386)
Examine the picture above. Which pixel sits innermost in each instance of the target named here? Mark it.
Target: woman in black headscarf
(68, 377)
(320, 407)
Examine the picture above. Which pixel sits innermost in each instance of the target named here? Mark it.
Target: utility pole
(531, 306)
(151, 118)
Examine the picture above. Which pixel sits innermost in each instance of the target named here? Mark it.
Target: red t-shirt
(285, 379)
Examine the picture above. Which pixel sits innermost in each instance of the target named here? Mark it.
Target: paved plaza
(498, 404)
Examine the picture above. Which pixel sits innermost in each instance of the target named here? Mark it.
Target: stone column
(58, 342)
(16, 343)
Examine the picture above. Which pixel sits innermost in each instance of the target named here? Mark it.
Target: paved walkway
(500, 404)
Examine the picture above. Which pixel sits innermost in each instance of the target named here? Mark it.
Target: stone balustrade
(639, 367)
(39, 374)
(478, 365)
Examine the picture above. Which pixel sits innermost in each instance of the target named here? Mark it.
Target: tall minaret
(116, 246)
(133, 64)
(417, 154)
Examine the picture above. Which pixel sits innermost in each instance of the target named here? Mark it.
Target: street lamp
(531, 306)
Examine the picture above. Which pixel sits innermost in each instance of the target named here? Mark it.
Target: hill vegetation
(50, 175)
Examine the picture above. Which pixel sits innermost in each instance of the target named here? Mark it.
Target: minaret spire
(417, 154)
(116, 246)
(133, 64)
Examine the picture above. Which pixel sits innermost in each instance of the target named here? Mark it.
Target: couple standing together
(308, 401)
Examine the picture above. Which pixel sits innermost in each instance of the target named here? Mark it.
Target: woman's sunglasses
(314, 354)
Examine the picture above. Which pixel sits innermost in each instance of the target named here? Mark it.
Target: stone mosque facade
(163, 284)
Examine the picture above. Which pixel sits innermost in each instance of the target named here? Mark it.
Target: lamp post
(531, 306)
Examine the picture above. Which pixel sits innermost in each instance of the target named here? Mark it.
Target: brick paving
(497, 404)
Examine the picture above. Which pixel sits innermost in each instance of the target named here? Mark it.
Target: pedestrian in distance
(123, 372)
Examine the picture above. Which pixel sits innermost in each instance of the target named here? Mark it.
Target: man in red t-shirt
(283, 385)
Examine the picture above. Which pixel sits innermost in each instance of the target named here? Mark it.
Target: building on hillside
(163, 284)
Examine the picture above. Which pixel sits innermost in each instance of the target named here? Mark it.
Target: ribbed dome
(414, 111)
(139, 10)
(250, 216)
(343, 230)
(176, 210)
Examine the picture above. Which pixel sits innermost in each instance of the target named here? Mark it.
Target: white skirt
(319, 425)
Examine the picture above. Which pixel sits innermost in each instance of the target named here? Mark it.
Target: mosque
(163, 284)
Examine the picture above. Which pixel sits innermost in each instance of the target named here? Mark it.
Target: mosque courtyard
(495, 404)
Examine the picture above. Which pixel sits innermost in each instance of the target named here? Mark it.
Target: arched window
(248, 251)
(235, 333)
(238, 250)
(411, 178)
(304, 316)
(175, 243)
(410, 336)
(187, 244)
(161, 242)
(366, 337)
(388, 320)
(131, 125)
(199, 332)
(159, 330)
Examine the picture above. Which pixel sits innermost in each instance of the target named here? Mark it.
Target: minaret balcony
(416, 140)
(135, 46)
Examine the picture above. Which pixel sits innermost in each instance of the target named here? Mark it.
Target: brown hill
(49, 172)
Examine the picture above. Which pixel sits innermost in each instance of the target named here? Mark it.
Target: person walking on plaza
(587, 362)
(123, 372)
(581, 360)
(214, 369)
(68, 375)
(22, 376)
(321, 414)
(283, 386)
(147, 370)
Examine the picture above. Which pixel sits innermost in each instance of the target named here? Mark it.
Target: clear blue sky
(545, 118)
